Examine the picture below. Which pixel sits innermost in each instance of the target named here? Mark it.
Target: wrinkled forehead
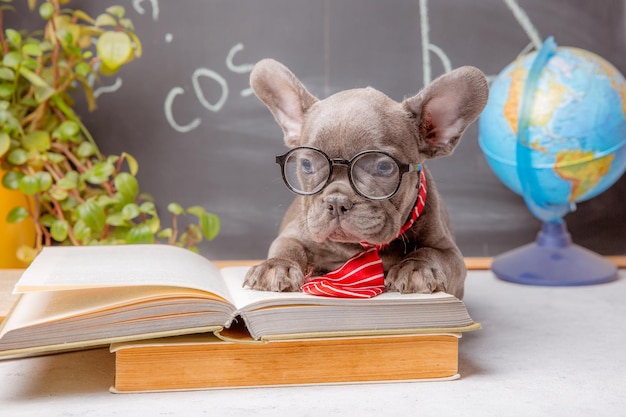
(350, 122)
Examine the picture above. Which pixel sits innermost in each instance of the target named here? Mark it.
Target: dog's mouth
(338, 234)
(362, 223)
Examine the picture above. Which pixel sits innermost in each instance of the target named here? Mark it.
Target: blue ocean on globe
(575, 130)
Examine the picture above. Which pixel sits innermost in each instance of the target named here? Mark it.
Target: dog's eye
(306, 166)
(385, 168)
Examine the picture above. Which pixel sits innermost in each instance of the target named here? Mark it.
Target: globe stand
(553, 260)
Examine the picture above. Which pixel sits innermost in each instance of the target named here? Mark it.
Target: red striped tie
(362, 276)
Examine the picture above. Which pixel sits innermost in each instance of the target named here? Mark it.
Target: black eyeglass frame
(402, 169)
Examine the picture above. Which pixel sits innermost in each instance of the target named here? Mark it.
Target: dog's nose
(337, 205)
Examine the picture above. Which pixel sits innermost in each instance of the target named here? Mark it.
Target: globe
(554, 131)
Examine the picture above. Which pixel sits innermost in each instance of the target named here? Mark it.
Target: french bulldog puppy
(320, 231)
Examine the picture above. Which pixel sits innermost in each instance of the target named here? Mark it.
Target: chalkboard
(185, 111)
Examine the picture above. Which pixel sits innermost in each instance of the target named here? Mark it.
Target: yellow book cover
(204, 361)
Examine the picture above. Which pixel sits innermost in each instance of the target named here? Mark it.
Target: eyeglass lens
(373, 174)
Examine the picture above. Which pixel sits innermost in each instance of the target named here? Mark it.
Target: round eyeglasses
(374, 175)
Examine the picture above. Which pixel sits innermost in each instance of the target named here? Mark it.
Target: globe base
(553, 260)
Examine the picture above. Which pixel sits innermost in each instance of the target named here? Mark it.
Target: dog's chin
(364, 223)
(340, 234)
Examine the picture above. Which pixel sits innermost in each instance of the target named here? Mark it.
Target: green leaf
(59, 230)
(148, 207)
(146, 197)
(117, 11)
(5, 143)
(9, 120)
(46, 10)
(165, 233)
(29, 185)
(58, 194)
(194, 233)
(117, 219)
(11, 180)
(69, 182)
(105, 19)
(6, 90)
(42, 90)
(154, 224)
(55, 158)
(12, 59)
(31, 49)
(6, 74)
(13, 36)
(70, 203)
(38, 140)
(45, 180)
(99, 173)
(130, 211)
(64, 34)
(30, 63)
(196, 211)
(210, 225)
(67, 129)
(133, 166)
(17, 214)
(83, 69)
(127, 24)
(127, 186)
(81, 231)
(85, 149)
(114, 49)
(136, 43)
(92, 214)
(175, 208)
(17, 156)
(47, 220)
(106, 201)
(26, 254)
(79, 14)
(140, 234)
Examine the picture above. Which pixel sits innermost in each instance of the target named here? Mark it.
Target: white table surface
(543, 351)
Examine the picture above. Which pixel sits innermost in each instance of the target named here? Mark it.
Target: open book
(76, 297)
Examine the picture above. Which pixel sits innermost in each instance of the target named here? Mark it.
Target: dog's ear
(445, 108)
(284, 95)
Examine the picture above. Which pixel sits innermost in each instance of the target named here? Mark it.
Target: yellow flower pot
(13, 235)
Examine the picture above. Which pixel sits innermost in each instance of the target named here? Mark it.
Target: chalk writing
(155, 8)
(524, 21)
(210, 75)
(214, 76)
(428, 47)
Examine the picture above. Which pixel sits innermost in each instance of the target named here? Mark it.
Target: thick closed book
(77, 297)
(205, 361)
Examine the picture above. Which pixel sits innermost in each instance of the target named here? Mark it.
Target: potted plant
(73, 193)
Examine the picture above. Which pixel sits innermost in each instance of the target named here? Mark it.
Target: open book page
(246, 299)
(81, 267)
(49, 306)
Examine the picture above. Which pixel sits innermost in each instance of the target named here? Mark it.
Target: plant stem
(69, 113)
(174, 235)
(69, 155)
(3, 41)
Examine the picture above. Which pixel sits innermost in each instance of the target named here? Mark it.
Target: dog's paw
(275, 274)
(416, 276)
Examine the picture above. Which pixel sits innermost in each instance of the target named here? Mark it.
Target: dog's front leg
(427, 270)
(283, 270)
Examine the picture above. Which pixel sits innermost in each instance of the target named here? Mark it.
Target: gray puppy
(324, 228)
